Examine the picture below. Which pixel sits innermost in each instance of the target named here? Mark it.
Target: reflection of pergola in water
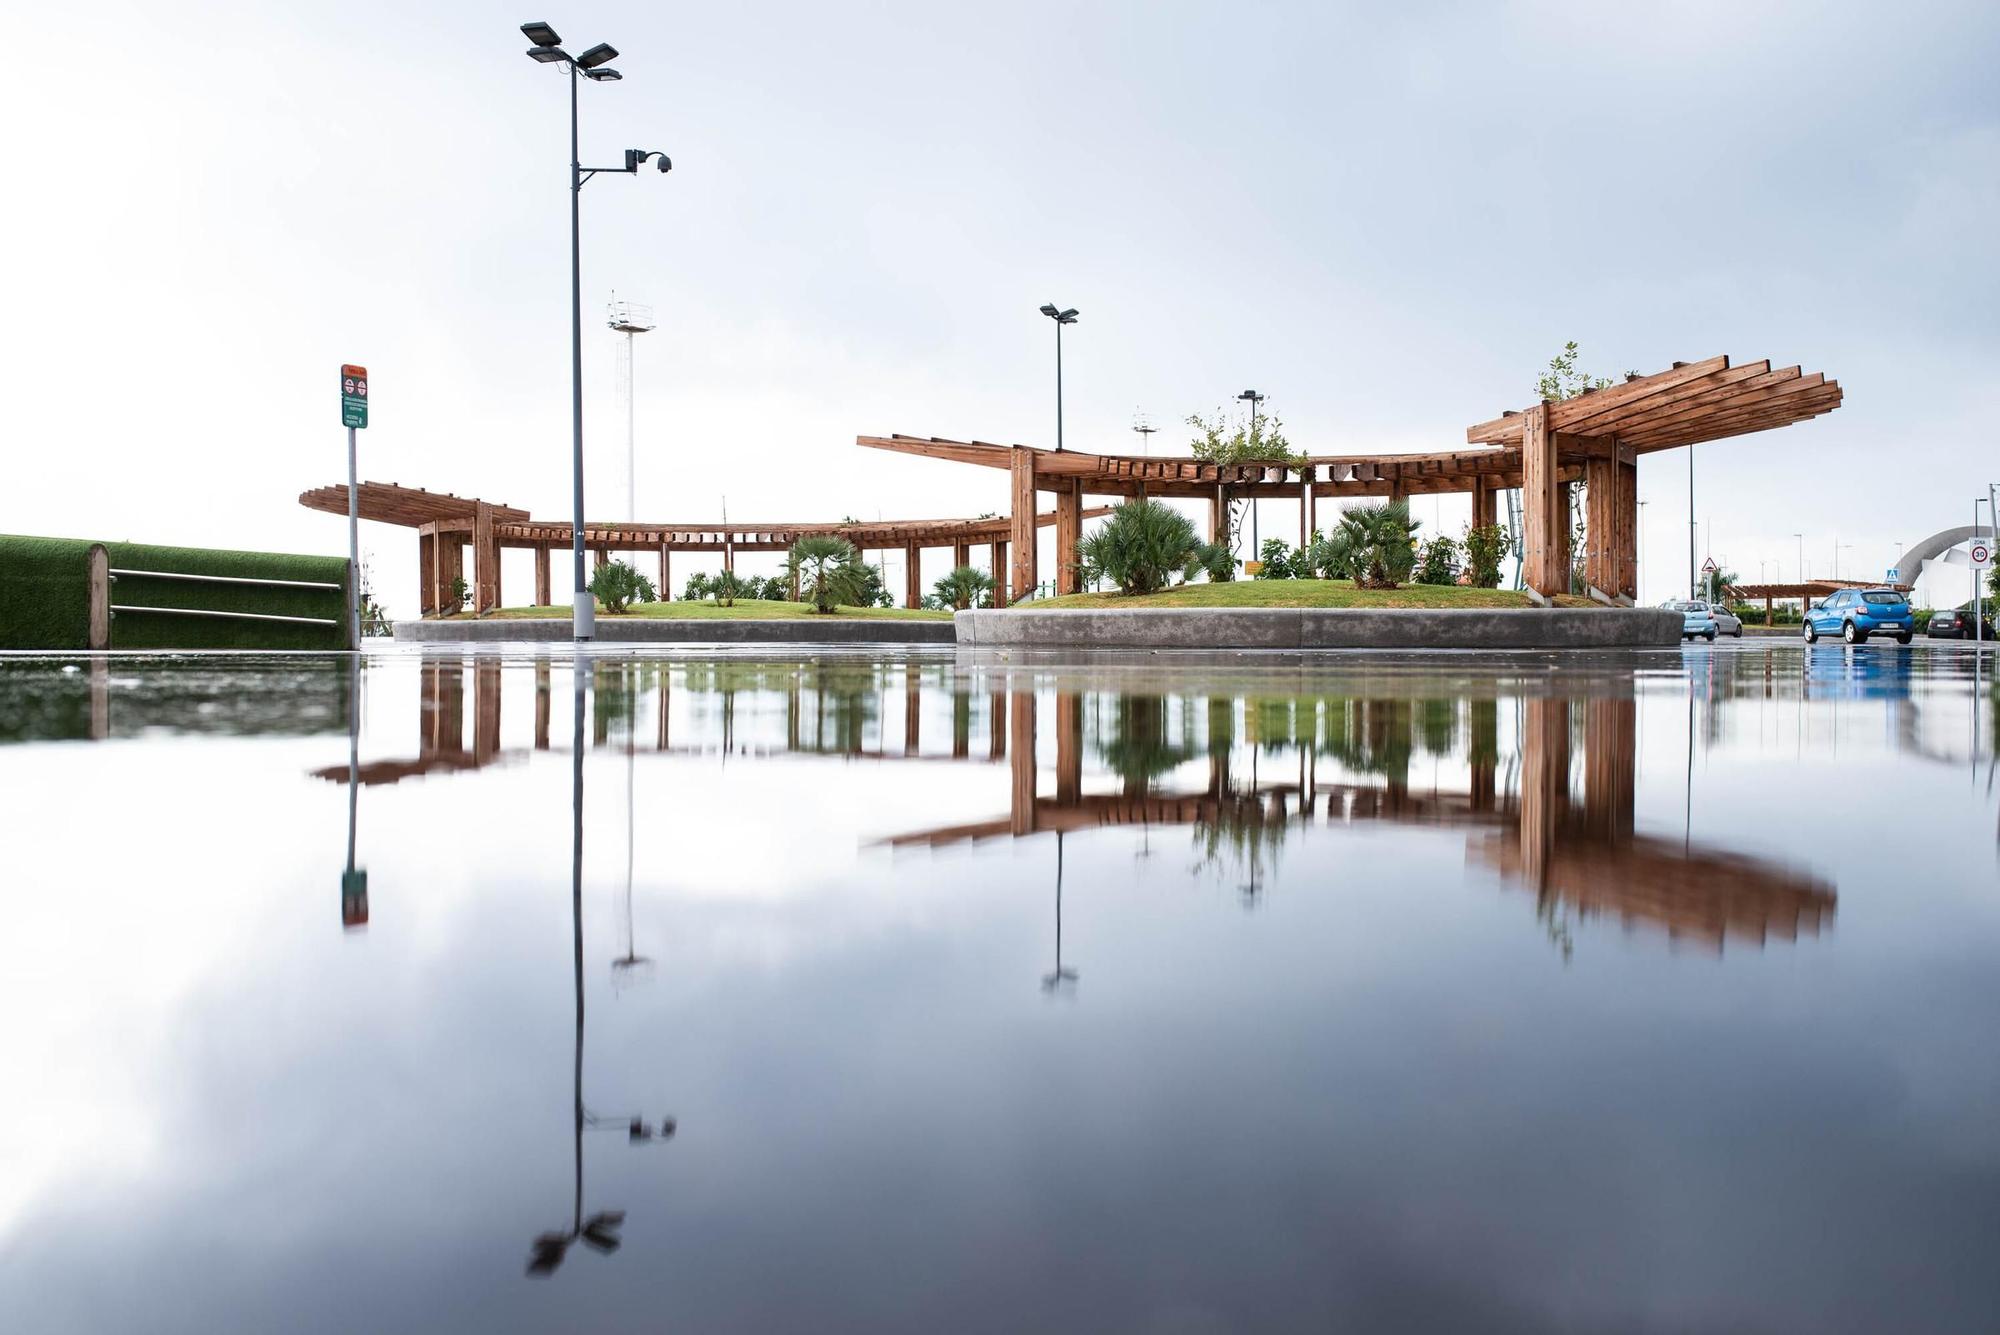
(1586, 855)
(446, 524)
(1595, 438)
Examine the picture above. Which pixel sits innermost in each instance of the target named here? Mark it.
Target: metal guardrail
(235, 579)
(227, 616)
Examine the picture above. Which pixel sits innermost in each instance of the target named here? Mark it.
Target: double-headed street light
(594, 65)
(1061, 318)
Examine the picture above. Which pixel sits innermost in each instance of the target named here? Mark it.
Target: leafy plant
(460, 594)
(728, 586)
(1260, 440)
(696, 588)
(1277, 561)
(1438, 561)
(1141, 547)
(1485, 545)
(829, 571)
(617, 585)
(1330, 556)
(1382, 539)
(1563, 381)
(964, 587)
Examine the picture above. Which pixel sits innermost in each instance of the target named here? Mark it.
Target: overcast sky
(1385, 217)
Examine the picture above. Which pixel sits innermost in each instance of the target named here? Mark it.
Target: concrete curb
(662, 630)
(1323, 628)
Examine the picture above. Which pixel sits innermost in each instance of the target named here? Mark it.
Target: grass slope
(746, 609)
(1305, 593)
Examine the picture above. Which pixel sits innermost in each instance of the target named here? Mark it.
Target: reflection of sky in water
(1509, 1030)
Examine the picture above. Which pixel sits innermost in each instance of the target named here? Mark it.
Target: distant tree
(830, 572)
(964, 587)
(617, 585)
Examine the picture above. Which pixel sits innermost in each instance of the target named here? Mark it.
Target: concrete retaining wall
(1323, 628)
(664, 630)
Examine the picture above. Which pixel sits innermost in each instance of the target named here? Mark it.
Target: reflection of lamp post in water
(1062, 980)
(600, 1231)
(354, 880)
(630, 966)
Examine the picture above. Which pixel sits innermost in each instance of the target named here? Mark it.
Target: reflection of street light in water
(600, 1231)
(630, 967)
(1062, 980)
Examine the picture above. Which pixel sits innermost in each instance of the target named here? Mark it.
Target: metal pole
(1256, 548)
(1978, 612)
(631, 436)
(1692, 588)
(583, 616)
(576, 925)
(353, 551)
(1059, 408)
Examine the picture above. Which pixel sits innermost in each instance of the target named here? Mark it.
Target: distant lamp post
(1143, 426)
(593, 65)
(1061, 318)
(1253, 398)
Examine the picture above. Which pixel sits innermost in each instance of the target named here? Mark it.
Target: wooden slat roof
(393, 503)
(1686, 404)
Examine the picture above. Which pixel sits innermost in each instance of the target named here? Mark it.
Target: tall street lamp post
(1061, 317)
(1253, 398)
(594, 65)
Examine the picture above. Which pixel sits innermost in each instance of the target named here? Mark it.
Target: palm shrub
(1485, 547)
(1330, 556)
(728, 586)
(617, 585)
(1438, 562)
(1142, 546)
(1382, 539)
(696, 588)
(964, 587)
(829, 571)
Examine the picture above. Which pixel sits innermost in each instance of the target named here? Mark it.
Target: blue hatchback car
(1696, 619)
(1855, 614)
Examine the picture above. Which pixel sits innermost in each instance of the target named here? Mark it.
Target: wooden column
(999, 571)
(666, 574)
(1218, 517)
(1069, 748)
(1544, 783)
(541, 704)
(427, 573)
(1600, 499)
(1025, 576)
(451, 567)
(913, 575)
(1069, 532)
(1396, 492)
(729, 552)
(603, 557)
(485, 560)
(544, 595)
(1485, 510)
(996, 725)
(1610, 748)
(1625, 525)
(1544, 510)
(961, 555)
(486, 711)
(912, 709)
(97, 600)
(1021, 762)
(1305, 507)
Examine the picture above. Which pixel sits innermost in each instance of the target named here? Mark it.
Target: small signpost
(353, 414)
(1708, 573)
(1981, 554)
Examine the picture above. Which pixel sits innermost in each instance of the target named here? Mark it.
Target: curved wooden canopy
(1686, 404)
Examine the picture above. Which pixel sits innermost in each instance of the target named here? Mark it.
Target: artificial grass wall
(44, 593)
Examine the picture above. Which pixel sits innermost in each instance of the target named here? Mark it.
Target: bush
(1278, 560)
(696, 588)
(1328, 557)
(617, 585)
(830, 572)
(1438, 563)
(1142, 546)
(964, 587)
(460, 594)
(1485, 547)
(1382, 540)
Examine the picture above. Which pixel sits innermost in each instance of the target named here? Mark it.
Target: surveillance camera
(666, 163)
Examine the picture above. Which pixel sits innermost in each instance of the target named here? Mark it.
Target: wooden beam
(1576, 414)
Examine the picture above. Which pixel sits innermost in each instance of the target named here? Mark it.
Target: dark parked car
(1952, 623)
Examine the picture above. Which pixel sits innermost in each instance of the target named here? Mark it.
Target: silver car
(1726, 621)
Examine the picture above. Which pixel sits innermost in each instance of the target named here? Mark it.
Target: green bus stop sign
(354, 396)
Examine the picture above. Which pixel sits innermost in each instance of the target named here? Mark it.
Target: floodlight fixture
(547, 55)
(541, 34)
(597, 55)
(602, 76)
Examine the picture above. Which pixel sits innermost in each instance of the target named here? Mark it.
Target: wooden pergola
(447, 524)
(1595, 438)
(1771, 594)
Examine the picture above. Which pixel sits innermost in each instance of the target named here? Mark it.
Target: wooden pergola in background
(1596, 438)
(446, 524)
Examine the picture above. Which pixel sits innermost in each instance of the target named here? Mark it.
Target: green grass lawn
(1307, 593)
(746, 609)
